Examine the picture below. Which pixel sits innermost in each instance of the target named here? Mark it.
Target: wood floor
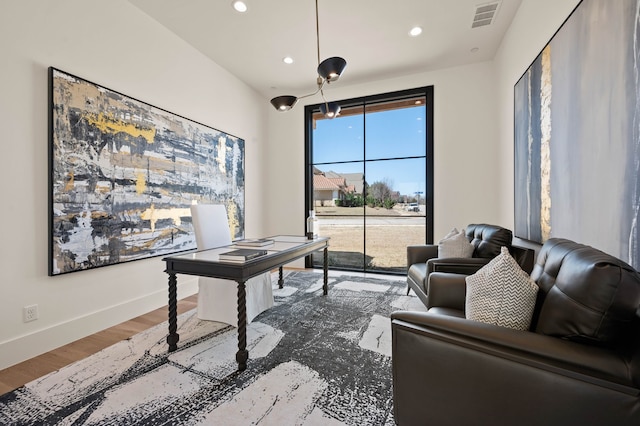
(26, 371)
(20, 374)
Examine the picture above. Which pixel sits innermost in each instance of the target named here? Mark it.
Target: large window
(370, 179)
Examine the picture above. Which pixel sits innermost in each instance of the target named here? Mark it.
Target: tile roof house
(330, 186)
(327, 190)
(356, 180)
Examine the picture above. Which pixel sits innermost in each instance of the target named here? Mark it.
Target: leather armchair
(422, 260)
(578, 364)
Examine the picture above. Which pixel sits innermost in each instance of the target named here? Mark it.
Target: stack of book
(241, 255)
(261, 242)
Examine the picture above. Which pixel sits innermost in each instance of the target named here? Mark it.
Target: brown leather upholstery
(422, 260)
(566, 370)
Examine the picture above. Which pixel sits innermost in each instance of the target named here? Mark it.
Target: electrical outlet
(30, 313)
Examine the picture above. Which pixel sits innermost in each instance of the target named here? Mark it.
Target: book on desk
(241, 255)
(259, 242)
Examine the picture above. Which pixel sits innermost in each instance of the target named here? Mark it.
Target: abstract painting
(123, 175)
(577, 133)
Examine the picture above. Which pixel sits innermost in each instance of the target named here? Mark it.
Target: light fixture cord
(317, 32)
(320, 84)
(321, 81)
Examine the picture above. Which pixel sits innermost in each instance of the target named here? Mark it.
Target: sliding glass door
(369, 179)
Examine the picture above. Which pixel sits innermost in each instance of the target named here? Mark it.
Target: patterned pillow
(501, 293)
(455, 246)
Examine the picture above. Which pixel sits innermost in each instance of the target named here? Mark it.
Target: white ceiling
(372, 35)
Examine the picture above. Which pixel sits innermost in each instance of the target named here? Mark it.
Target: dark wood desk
(206, 263)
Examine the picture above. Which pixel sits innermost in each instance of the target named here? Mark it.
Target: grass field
(397, 210)
(386, 245)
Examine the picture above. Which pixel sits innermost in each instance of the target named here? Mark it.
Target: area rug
(313, 360)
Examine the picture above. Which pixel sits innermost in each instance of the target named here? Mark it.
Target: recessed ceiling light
(415, 31)
(240, 6)
(287, 60)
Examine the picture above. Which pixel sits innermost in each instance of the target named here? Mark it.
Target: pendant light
(328, 70)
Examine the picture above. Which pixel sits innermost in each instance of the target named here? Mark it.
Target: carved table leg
(243, 354)
(173, 337)
(281, 279)
(325, 286)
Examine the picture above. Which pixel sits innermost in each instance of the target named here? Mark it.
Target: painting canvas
(577, 118)
(123, 175)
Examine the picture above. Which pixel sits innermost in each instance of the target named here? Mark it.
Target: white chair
(218, 298)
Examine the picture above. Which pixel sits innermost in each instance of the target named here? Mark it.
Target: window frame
(372, 100)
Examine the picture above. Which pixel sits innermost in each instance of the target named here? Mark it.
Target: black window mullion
(368, 105)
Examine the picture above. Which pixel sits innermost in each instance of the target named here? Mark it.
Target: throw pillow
(501, 293)
(451, 233)
(456, 246)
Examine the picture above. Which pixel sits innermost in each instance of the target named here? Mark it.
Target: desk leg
(173, 337)
(280, 279)
(325, 286)
(243, 354)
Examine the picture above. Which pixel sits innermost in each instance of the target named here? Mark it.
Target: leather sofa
(579, 363)
(423, 259)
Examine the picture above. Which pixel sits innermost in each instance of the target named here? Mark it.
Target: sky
(383, 139)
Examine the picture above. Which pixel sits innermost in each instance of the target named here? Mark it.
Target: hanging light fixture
(329, 71)
(330, 109)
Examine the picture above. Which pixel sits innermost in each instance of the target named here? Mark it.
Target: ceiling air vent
(485, 14)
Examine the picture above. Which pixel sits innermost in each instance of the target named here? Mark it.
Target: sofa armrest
(456, 265)
(421, 253)
(503, 376)
(525, 257)
(597, 365)
(446, 290)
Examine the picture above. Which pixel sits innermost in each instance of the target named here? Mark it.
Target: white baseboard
(33, 344)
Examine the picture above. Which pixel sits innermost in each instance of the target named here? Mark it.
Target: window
(369, 178)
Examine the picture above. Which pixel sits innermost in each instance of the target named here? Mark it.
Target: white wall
(473, 119)
(465, 148)
(114, 44)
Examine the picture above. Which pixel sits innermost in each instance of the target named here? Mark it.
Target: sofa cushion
(586, 295)
(501, 293)
(488, 239)
(457, 246)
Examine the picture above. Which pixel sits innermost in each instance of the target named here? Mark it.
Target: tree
(353, 200)
(380, 194)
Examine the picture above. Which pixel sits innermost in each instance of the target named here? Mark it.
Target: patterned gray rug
(313, 360)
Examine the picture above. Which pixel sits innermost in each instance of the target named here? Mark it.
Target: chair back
(211, 225)
(488, 239)
(585, 295)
